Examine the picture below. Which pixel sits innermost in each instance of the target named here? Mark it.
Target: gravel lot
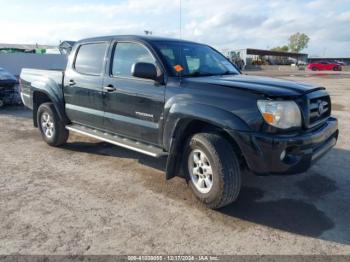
(90, 197)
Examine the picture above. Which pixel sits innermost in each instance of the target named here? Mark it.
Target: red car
(324, 65)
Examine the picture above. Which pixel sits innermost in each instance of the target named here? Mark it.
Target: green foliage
(283, 48)
(298, 42)
(40, 51)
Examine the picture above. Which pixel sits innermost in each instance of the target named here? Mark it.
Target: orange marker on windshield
(178, 68)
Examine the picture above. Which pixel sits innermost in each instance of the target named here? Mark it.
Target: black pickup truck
(186, 101)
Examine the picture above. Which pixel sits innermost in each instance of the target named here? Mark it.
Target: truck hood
(263, 85)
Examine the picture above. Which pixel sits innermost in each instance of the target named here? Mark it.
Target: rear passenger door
(134, 107)
(83, 85)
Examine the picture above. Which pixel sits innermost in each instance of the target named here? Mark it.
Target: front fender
(196, 111)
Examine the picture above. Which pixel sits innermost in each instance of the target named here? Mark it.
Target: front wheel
(51, 128)
(212, 169)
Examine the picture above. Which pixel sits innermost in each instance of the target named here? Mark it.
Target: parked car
(186, 101)
(340, 63)
(324, 65)
(7, 86)
(7, 79)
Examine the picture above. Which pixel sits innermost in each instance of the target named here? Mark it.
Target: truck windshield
(194, 60)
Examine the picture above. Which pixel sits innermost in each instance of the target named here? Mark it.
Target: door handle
(109, 88)
(71, 82)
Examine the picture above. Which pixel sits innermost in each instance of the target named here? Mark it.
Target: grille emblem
(321, 107)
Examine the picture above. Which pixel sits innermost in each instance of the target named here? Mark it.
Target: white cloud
(222, 23)
(344, 17)
(54, 32)
(114, 10)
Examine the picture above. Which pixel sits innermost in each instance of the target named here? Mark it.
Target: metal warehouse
(252, 56)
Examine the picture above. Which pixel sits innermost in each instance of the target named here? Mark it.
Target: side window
(169, 55)
(90, 58)
(126, 55)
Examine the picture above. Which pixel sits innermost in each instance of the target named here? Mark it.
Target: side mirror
(144, 70)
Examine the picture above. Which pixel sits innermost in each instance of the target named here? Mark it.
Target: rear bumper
(264, 153)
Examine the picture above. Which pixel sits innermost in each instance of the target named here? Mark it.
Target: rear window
(90, 58)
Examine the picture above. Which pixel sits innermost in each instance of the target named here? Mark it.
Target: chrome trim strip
(26, 95)
(129, 120)
(85, 110)
(132, 120)
(22, 97)
(113, 142)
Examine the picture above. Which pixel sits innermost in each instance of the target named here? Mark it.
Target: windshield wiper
(198, 74)
(227, 73)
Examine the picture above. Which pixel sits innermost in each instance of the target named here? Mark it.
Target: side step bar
(118, 140)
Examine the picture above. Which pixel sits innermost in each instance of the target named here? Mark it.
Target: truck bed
(37, 78)
(30, 75)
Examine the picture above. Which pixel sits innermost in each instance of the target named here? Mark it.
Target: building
(65, 47)
(14, 57)
(252, 56)
(19, 48)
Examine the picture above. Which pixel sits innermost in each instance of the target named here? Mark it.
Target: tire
(336, 68)
(314, 69)
(51, 128)
(224, 166)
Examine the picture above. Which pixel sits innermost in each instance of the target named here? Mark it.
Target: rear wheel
(212, 169)
(51, 128)
(314, 68)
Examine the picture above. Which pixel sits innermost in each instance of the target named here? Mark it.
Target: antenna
(180, 14)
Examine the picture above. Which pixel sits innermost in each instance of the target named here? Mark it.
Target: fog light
(283, 154)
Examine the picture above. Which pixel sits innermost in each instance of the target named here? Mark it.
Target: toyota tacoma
(185, 101)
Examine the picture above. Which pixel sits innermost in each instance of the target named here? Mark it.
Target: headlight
(281, 114)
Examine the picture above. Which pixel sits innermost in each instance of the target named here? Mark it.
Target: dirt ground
(90, 197)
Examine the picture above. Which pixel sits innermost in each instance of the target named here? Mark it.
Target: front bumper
(263, 152)
(8, 83)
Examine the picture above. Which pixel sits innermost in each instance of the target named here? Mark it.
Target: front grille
(5, 90)
(319, 108)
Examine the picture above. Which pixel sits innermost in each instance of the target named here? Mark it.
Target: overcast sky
(222, 23)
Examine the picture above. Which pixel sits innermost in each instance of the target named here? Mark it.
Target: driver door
(133, 106)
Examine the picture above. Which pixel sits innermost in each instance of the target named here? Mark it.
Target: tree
(283, 48)
(298, 42)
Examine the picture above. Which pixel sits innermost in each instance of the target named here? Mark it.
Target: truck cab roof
(134, 37)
